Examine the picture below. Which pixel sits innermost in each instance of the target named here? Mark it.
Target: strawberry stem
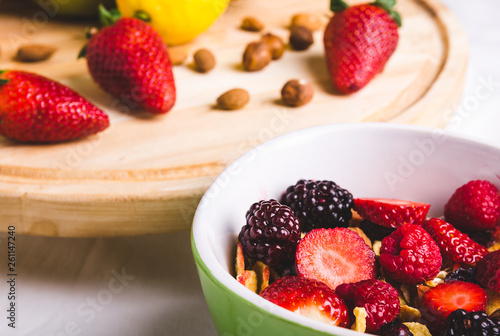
(142, 15)
(388, 5)
(108, 18)
(3, 80)
(338, 5)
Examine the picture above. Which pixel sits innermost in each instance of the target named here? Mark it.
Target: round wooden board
(145, 175)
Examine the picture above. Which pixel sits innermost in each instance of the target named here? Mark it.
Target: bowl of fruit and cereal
(351, 229)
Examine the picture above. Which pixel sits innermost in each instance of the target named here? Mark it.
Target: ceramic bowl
(368, 159)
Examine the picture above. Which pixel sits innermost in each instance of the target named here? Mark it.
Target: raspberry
(454, 245)
(319, 204)
(475, 206)
(271, 234)
(488, 271)
(409, 255)
(460, 322)
(379, 298)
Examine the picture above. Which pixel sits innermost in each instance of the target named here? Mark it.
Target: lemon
(177, 21)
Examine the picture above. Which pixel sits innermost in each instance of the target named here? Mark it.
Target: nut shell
(275, 44)
(256, 56)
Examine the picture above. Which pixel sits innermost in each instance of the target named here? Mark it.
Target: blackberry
(467, 274)
(461, 323)
(319, 204)
(271, 234)
(395, 328)
(375, 231)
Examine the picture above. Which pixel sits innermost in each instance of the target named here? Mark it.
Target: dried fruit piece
(256, 56)
(409, 314)
(310, 21)
(34, 52)
(309, 298)
(334, 256)
(248, 279)
(417, 329)
(263, 275)
(301, 38)
(204, 60)
(275, 44)
(239, 265)
(251, 23)
(297, 93)
(360, 316)
(233, 99)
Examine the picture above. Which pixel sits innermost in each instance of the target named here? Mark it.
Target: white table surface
(149, 285)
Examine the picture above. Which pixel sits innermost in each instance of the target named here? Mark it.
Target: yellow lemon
(177, 21)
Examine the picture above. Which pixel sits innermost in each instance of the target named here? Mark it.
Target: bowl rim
(209, 264)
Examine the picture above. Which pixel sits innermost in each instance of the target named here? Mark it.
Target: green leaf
(338, 5)
(387, 4)
(83, 52)
(142, 15)
(395, 15)
(106, 17)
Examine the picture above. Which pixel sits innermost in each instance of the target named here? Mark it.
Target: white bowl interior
(368, 159)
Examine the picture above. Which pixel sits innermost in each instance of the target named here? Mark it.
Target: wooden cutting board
(145, 175)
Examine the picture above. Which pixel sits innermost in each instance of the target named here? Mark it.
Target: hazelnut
(301, 38)
(275, 44)
(256, 56)
(252, 24)
(233, 99)
(297, 93)
(34, 52)
(204, 60)
(310, 21)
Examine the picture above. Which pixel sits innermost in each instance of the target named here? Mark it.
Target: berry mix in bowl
(349, 229)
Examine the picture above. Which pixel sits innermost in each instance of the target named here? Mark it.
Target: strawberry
(129, 60)
(36, 109)
(438, 302)
(391, 213)
(475, 206)
(358, 41)
(335, 256)
(455, 246)
(309, 298)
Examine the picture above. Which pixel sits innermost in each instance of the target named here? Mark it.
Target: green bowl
(368, 159)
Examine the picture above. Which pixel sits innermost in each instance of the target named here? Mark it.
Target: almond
(297, 93)
(204, 60)
(252, 24)
(34, 52)
(310, 21)
(233, 99)
(256, 56)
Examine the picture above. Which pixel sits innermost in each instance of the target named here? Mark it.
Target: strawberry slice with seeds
(309, 298)
(335, 256)
(438, 302)
(391, 212)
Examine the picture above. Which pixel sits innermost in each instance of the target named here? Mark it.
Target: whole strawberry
(36, 109)
(129, 60)
(475, 206)
(358, 41)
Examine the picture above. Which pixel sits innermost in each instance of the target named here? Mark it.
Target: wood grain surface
(145, 175)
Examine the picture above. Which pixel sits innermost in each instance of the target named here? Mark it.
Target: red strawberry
(410, 255)
(129, 60)
(358, 41)
(454, 245)
(309, 298)
(335, 256)
(391, 213)
(475, 206)
(488, 271)
(379, 298)
(438, 302)
(34, 108)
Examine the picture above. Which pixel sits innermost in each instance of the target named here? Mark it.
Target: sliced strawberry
(440, 301)
(335, 256)
(308, 298)
(454, 245)
(391, 212)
